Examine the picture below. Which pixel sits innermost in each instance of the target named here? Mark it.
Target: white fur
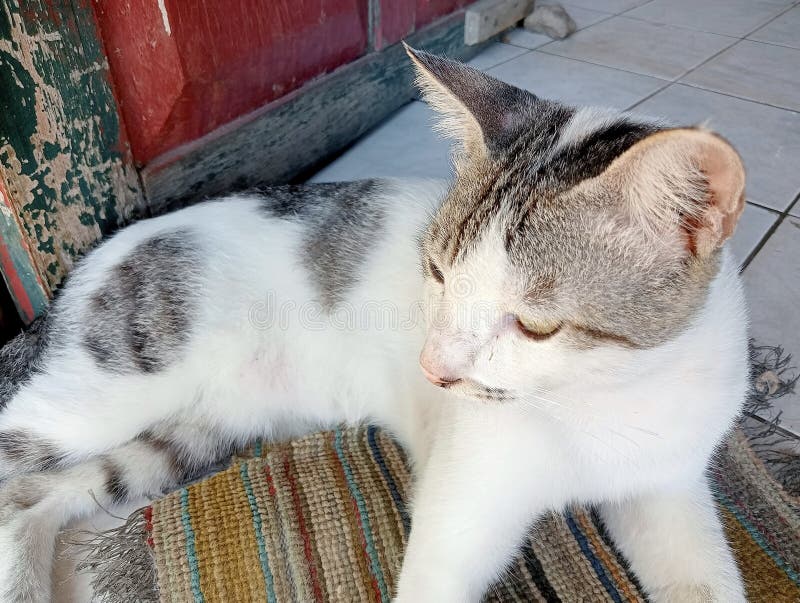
(631, 430)
(584, 122)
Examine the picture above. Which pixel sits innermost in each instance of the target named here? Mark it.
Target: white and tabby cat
(583, 321)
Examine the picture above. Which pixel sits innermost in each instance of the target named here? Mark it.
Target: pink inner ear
(725, 188)
(510, 120)
(725, 180)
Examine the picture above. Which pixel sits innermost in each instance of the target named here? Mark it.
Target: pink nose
(434, 378)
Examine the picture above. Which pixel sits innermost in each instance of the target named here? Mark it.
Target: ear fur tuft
(480, 112)
(686, 175)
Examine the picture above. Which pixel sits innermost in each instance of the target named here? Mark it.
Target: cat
(581, 325)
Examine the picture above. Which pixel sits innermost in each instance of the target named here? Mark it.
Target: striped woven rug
(324, 518)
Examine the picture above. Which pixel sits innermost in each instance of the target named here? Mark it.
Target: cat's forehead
(528, 187)
(487, 271)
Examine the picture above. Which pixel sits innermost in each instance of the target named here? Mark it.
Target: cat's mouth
(475, 390)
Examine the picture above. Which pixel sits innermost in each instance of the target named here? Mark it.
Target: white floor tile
(728, 17)
(608, 6)
(575, 82)
(583, 18)
(754, 70)
(523, 38)
(404, 146)
(494, 55)
(784, 30)
(753, 225)
(772, 284)
(641, 47)
(768, 138)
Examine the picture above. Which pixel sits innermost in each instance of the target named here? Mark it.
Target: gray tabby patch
(140, 320)
(343, 221)
(28, 451)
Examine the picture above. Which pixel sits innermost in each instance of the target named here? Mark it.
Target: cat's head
(568, 236)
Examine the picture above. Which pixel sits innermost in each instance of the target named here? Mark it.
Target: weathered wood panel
(428, 10)
(299, 131)
(487, 18)
(184, 68)
(23, 281)
(393, 20)
(65, 168)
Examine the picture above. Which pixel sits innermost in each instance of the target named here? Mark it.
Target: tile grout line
(741, 98)
(627, 10)
(766, 43)
(669, 82)
(687, 72)
(521, 54)
(704, 62)
(792, 205)
(585, 62)
(783, 215)
(606, 18)
(603, 20)
(761, 242)
(791, 7)
(743, 39)
(684, 28)
(623, 13)
(649, 96)
(750, 32)
(772, 210)
(677, 79)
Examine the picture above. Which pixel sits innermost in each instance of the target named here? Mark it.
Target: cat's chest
(579, 461)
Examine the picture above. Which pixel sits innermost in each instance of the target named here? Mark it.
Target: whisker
(597, 416)
(528, 404)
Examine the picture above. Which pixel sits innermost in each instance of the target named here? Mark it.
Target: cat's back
(310, 230)
(159, 284)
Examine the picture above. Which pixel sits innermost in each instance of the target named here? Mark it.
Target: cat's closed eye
(537, 331)
(435, 271)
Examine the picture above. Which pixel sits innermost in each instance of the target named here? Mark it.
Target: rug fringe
(773, 376)
(122, 562)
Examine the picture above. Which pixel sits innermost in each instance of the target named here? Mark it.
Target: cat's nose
(435, 378)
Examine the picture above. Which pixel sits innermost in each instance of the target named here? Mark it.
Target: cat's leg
(675, 544)
(35, 506)
(468, 516)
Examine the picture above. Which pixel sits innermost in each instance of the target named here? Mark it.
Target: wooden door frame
(66, 174)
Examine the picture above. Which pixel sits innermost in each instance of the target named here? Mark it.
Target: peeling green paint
(64, 161)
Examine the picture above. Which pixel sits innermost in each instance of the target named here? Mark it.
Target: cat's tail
(22, 357)
(35, 506)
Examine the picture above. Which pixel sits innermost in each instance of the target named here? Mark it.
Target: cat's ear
(482, 113)
(688, 176)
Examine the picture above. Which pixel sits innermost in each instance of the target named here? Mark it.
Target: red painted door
(182, 68)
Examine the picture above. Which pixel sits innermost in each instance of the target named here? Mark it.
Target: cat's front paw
(697, 593)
